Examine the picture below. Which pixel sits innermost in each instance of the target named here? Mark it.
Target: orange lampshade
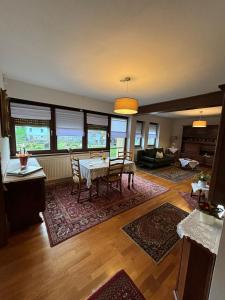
(199, 123)
(126, 106)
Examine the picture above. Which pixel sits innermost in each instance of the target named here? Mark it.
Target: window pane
(33, 138)
(117, 144)
(153, 134)
(69, 142)
(97, 138)
(137, 141)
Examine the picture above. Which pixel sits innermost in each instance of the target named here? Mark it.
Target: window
(42, 128)
(138, 134)
(153, 134)
(118, 136)
(32, 127)
(69, 129)
(97, 128)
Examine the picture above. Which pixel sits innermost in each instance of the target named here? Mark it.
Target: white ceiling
(171, 49)
(205, 112)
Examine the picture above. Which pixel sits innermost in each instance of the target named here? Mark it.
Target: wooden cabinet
(3, 221)
(4, 109)
(24, 201)
(195, 273)
(199, 143)
(25, 196)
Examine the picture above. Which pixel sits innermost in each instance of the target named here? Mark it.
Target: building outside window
(31, 127)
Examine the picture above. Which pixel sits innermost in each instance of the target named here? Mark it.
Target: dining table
(96, 168)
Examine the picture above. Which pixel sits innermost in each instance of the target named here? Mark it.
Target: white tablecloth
(185, 162)
(204, 234)
(93, 168)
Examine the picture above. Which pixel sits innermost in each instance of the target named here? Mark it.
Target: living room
(112, 157)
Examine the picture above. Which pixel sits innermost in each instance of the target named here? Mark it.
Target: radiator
(58, 167)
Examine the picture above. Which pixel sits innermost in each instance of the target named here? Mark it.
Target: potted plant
(202, 178)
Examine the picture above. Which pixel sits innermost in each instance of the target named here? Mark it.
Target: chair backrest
(128, 155)
(94, 154)
(75, 165)
(116, 166)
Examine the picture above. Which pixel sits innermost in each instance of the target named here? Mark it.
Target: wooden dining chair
(115, 172)
(128, 155)
(79, 183)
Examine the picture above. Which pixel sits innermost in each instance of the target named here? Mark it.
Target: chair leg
(90, 190)
(72, 189)
(79, 192)
(133, 180)
(97, 186)
(129, 175)
(107, 187)
(120, 186)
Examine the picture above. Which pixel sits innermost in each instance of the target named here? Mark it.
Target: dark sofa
(147, 158)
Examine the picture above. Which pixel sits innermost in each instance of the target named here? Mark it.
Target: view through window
(153, 134)
(97, 138)
(118, 136)
(33, 138)
(138, 134)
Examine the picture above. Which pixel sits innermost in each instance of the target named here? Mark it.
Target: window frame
(110, 121)
(53, 138)
(142, 125)
(157, 134)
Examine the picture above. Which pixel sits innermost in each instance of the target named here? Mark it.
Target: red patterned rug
(119, 287)
(64, 217)
(156, 232)
(192, 201)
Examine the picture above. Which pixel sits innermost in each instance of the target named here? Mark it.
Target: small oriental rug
(156, 232)
(192, 201)
(119, 287)
(64, 217)
(172, 173)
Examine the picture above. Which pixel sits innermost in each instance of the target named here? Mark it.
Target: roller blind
(94, 119)
(118, 128)
(69, 122)
(138, 130)
(153, 128)
(32, 112)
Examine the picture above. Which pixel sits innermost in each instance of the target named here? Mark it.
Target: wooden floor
(31, 269)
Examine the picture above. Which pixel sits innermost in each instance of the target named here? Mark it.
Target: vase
(202, 184)
(23, 161)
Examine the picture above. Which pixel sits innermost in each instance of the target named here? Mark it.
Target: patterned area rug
(156, 232)
(119, 287)
(192, 201)
(172, 173)
(64, 217)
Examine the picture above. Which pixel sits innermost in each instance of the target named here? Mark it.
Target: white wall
(177, 126)
(26, 91)
(165, 127)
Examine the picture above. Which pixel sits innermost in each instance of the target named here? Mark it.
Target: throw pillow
(159, 155)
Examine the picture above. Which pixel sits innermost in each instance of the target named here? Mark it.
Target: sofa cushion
(150, 152)
(148, 159)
